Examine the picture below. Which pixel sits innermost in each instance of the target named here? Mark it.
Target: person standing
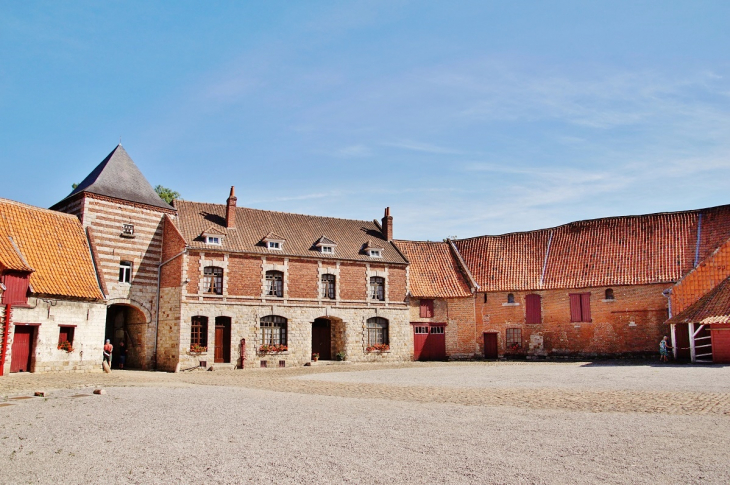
(108, 348)
(122, 354)
(664, 350)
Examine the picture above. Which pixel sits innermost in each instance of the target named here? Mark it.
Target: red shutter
(585, 303)
(426, 308)
(575, 313)
(16, 292)
(533, 312)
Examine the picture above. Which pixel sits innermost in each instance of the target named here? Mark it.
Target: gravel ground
(412, 423)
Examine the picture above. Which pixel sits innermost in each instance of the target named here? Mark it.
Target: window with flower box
(377, 331)
(199, 333)
(274, 332)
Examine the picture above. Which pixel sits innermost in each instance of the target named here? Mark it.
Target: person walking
(664, 350)
(108, 348)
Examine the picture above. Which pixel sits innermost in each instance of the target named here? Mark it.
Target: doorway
(322, 338)
(127, 323)
(22, 351)
(222, 347)
(491, 346)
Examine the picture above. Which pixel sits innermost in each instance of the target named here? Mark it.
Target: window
(65, 334)
(437, 330)
(375, 253)
(426, 309)
(273, 245)
(609, 294)
(275, 283)
(377, 288)
(377, 329)
(273, 330)
(213, 280)
(199, 331)
(125, 271)
(514, 338)
(213, 240)
(485, 297)
(580, 307)
(326, 249)
(510, 298)
(127, 230)
(420, 330)
(328, 286)
(533, 310)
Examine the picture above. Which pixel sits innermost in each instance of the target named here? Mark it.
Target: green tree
(73, 186)
(168, 195)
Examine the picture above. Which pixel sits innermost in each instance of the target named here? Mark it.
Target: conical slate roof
(117, 176)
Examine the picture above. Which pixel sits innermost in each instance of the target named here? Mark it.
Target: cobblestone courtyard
(409, 423)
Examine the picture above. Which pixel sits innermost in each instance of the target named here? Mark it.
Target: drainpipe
(8, 318)
(157, 312)
(668, 295)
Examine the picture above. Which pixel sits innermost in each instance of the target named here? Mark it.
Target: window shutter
(585, 303)
(575, 313)
(426, 308)
(532, 309)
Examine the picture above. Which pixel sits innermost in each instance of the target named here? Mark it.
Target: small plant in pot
(198, 349)
(340, 356)
(66, 345)
(315, 356)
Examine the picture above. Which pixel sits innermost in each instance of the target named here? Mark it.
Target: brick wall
(171, 273)
(396, 283)
(245, 275)
(632, 323)
(353, 283)
(708, 274)
(461, 329)
(303, 278)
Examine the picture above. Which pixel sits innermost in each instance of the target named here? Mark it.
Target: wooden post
(692, 355)
(673, 329)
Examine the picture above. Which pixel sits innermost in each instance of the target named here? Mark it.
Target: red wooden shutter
(426, 308)
(575, 313)
(585, 304)
(16, 288)
(533, 313)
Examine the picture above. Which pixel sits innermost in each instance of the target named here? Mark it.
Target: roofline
(474, 285)
(35, 207)
(182, 201)
(637, 216)
(285, 255)
(78, 195)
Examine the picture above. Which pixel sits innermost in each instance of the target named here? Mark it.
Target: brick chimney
(231, 209)
(388, 225)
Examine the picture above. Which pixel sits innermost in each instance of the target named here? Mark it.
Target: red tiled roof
(714, 307)
(628, 250)
(434, 271)
(300, 232)
(55, 246)
(10, 257)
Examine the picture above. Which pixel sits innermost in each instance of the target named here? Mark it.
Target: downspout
(699, 234)
(8, 319)
(672, 327)
(544, 263)
(157, 309)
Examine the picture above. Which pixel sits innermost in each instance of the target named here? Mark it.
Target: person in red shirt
(108, 347)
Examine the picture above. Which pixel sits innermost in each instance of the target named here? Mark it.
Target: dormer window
(127, 230)
(273, 242)
(372, 250)
(375, 253)
(217, 240)
(213, 236)
(325, 245)
(327, 249)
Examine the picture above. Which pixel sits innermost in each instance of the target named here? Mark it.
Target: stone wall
(47, 316)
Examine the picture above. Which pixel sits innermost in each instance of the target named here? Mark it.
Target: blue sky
(466, 118)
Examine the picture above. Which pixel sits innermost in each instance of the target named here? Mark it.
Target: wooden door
(490, 346)
(222, 349)
(21, 351)
(322, 338)
(720, 343)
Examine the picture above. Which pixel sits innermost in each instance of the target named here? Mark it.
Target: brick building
(53, 314)
(586, 288)
(441, 301)
(123, 217)
(283, 285)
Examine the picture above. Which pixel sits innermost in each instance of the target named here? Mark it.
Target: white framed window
(376, 253)
(377, 288)
(213, 240)
(326, 249)
(274, 245)
(125, 271)
(127, 230)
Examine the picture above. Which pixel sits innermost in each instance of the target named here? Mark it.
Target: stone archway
(131, 324)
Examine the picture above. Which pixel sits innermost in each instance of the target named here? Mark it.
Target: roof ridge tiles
(35, 207)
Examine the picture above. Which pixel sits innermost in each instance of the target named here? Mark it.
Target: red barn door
(21, 351)
(720, 343)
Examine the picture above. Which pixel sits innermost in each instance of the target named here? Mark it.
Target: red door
(720, 344)
(429, 342)
(490, 346)
(22, 345)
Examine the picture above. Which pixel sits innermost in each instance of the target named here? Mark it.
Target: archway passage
(125, 323)
(322, 338)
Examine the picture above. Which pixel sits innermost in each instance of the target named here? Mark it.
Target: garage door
(429, 342)
(721, 344)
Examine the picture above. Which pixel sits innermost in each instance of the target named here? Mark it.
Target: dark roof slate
(117, 176)
(298, 231)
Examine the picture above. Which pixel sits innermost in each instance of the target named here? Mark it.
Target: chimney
(231, 209)
(388, 225)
